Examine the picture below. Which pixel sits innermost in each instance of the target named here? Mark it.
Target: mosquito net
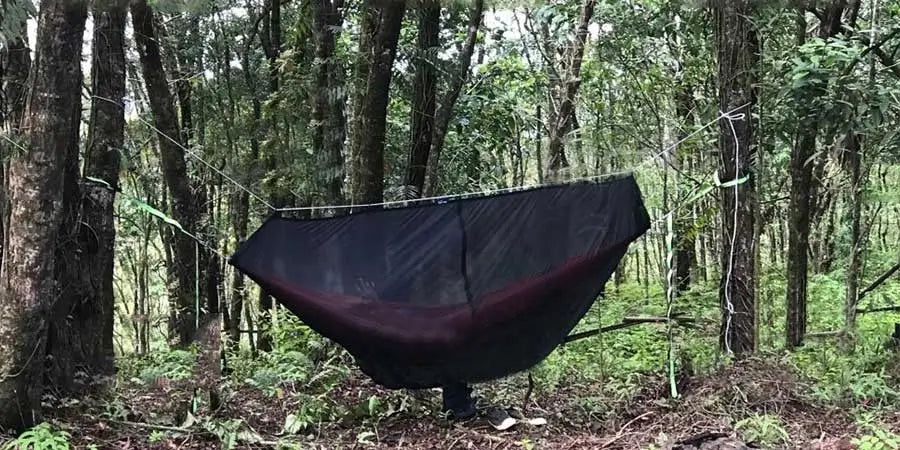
(469, 289)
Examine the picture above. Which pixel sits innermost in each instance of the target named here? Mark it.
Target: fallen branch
(825, 334)
(626, 323)
(880, 309)
(878, 282)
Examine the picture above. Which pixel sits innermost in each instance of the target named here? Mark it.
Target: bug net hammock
(464, 289)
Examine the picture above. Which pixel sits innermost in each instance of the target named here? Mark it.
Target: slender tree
(329, 98)
(565, 93)
(424, 96)
(801, 171)
(379, 34)
(447, 104)
(174, 168)
(27, 286)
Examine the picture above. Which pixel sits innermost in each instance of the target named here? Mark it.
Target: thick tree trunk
(174, 168)
(27, 286)
(80, 338)
(737, 49)
(379, 35)
(561, 119)
(15, 63)
(801, 196)
(424, 91)
(328, 109)
(448, 103)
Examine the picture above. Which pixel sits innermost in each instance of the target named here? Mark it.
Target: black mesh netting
(467, 290)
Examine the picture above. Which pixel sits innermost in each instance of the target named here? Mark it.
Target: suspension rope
(730, 116)
(193, 154)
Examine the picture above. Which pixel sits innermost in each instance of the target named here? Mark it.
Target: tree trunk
(561, 119)
(424, 91)
(685, 244)
(379, 34)
(27, 286)
(801, 197)
(174, 168)
(448, 103)
(328, 109)
(80, 337)
(15, 63)
(854, 157)
(738, 56)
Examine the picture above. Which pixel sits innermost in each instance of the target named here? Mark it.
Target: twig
(529, 391)
(152, 426)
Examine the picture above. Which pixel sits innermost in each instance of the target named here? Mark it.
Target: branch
(876, 310)
(825, 334)
(625, 323)
(878, 282)
(876, 48)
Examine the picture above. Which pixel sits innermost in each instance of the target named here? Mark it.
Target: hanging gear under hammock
(468, 289)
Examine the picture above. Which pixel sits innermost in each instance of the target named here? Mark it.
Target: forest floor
(756, 400)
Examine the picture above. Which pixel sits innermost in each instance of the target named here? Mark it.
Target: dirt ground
(702, 418)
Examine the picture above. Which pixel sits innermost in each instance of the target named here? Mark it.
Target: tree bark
(854, 163)
(561, 119)
(801, 197)
(27, 285)
(379, 34)
(686, 241)
(328, 109)
(80, 336)
(424, 91)
(174, 167)
(737, 47)
(445, 109)
(15, 63)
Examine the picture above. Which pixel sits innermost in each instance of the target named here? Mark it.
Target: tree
(27, 286)
(424, 93)
(801, 171)
(80, 336)
(447, 104)
(564, 93)
(15, 63)
(328, 108)
(379, 33)
(737, 48)
(174, 168)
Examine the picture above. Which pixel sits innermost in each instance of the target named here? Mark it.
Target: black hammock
(463, 290)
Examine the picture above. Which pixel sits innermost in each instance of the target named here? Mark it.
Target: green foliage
(875, 436)
(763, 429)
(40, 437)
(169, 364)
(278, 368)
(314, 409)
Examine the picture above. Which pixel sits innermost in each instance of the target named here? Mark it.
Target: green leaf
(155, 212)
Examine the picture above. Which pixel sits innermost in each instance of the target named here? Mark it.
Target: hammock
(469, 289)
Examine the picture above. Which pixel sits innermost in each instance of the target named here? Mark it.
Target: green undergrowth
(598, 374)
